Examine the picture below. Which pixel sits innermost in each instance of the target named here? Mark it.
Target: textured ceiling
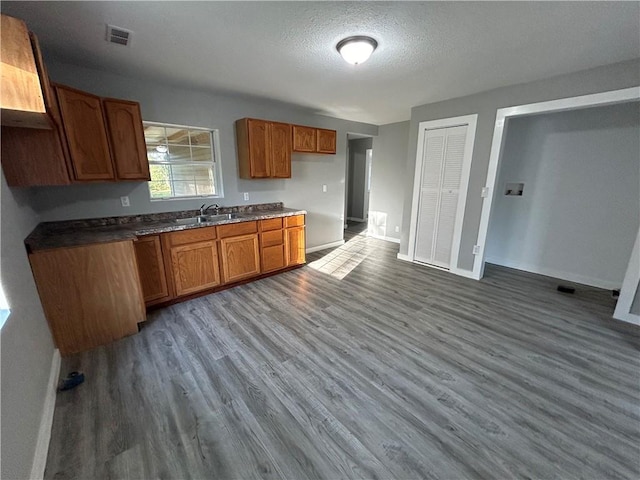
(286, 50)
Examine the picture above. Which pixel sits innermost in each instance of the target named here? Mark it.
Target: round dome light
(356, 50)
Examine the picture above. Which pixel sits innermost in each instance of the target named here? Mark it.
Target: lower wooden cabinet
(153, 277)
(295, 245)
(195, 267)
(240, 257)
(186, 262)
(91, 295)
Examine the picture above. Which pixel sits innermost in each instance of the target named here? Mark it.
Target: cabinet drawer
(275, 237)
(190, 236)
(270, 224)
(295, 221)
(235, 229)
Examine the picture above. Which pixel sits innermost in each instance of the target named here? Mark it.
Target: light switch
(125, 201)
(324, 188)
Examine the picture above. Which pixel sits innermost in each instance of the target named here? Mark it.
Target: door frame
(629, 287)
(497, 146)
(471, 122)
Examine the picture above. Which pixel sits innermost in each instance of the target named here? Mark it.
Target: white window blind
(182, 162)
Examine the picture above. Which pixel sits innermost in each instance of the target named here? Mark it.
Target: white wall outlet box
(324, 188)
(125, 201)
(246, 196)
(397, 228)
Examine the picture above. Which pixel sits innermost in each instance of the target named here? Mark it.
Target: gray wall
(27, 347)
(168, 104)
(357, 176)
(388, 179)
(579, 213)
(485, 104)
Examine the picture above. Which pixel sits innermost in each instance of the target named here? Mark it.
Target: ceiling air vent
(120, 36)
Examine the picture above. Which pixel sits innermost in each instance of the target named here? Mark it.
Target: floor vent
(119, 36)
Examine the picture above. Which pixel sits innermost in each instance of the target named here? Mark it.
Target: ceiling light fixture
(162, 149)
(356, 50)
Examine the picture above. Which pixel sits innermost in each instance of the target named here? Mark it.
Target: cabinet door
(240, 257)
(304, 139)
(295, 245)
(126, 136)
(273, 258)
(21, 96)
(90, 294)
(86, 135)
(153, 277)
(326, 141)
(259, 149)
(280, 150)
(195, 267)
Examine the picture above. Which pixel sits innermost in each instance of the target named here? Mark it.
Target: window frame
(217, 162)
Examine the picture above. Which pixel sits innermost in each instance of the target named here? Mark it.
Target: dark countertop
(74, 233)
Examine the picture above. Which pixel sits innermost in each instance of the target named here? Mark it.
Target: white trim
(325, 246)
(559, 274)
(404, 258)
(382, 237)
(471, 122)
(497, 146)
(46, 422)
(629, 287)
(356, 219)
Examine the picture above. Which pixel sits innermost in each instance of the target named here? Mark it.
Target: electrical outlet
(125, 201)
(246, 196)
(324, 188)
(476, 249)
(397, 228)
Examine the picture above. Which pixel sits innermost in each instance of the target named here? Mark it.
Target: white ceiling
(286, 50)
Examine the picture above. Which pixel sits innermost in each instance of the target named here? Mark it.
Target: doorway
(358, 181)
(494, 189)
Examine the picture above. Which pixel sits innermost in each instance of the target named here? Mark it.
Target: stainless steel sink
(223, 216)
(207, 218)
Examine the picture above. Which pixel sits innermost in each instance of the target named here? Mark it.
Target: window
(183, 161)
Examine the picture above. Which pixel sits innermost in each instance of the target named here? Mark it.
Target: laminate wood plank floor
(359, 365)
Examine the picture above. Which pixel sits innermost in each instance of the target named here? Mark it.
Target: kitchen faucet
(216, 209)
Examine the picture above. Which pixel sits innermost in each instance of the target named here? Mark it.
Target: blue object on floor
(73, 380)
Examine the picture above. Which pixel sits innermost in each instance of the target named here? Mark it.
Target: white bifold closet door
(439, 192)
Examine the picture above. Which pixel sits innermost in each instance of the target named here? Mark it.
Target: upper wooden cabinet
(86, 134)
(314, 140)
(92, 139)
(264, 148)
(21, 96)
(326, 141)
(304, 139)
(126, 136)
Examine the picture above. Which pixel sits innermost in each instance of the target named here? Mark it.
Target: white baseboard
(628, 317)
(46, 422)
(381, 237)
(356, 219)
(325, 246)
(559, 274)
(404, 258)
